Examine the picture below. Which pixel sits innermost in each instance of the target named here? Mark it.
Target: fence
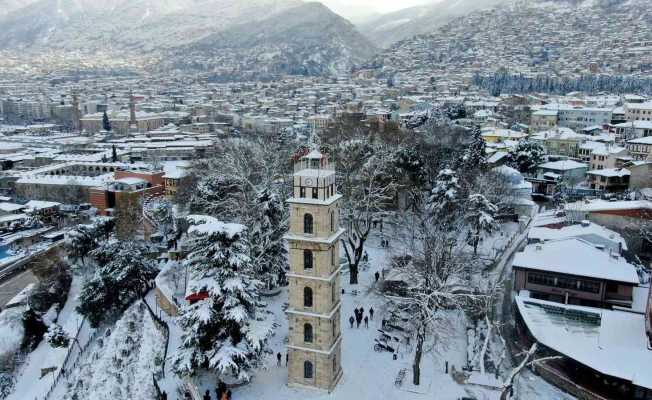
(166, 331)
(553, 377)
(72, 358)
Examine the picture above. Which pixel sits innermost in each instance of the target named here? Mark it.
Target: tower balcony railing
(314, 165)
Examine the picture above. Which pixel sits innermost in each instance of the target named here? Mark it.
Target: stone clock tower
(315, 338)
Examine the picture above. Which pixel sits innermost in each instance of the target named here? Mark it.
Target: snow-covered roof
(613, 343)
(39, 204)
(604, 205)
(610, 172)
(11, 207)
(563, 165)
(577, 257)
(643, 140)
(591, 232)
(131, 180)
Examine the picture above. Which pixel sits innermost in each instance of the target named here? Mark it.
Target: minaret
(133, 124)
(314, 349)
(76, 112)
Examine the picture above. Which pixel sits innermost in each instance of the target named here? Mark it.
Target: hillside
(390, 28)
(558, 38)
(305, 40)
(144, 25)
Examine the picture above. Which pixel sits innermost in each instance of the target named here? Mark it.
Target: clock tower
(315, 338)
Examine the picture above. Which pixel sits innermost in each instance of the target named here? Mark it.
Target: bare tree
(527, 361)
(374, 190)
(437, 279)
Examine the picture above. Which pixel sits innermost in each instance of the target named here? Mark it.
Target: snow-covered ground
(371, 375)
(120, 364)
(30, 384)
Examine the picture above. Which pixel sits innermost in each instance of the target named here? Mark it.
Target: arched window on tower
(308, 370)
(307, 297)
(307, 333)
(307, 259)
(332, 221)
(307, 224)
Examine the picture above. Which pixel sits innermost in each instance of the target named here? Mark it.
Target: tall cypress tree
(106, 124)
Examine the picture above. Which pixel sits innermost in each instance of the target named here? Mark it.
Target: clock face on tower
(309, 182)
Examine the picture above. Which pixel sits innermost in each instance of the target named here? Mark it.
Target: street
(14, 285)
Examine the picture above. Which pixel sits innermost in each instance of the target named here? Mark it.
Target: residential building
(640, 149)
(574, 271)
(609, 180)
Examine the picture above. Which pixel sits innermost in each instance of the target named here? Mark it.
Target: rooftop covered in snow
(576, 257)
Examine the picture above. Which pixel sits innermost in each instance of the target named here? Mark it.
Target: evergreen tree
(218, 196)
(526, 156)
(106, 124)
(34, 329)
(224, 332)
(444, 200)
(474, 157)
(479, 214)
(124, 274)
(114, 154)
(268, 250)
(56, 336)
(79, 242)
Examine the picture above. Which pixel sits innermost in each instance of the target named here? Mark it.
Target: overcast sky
(356, 7)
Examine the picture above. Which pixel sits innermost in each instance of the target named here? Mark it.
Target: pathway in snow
(29, 383)
(367, 374)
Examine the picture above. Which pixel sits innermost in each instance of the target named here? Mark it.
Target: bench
(400, 377)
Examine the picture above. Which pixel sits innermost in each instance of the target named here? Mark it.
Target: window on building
(308, 370)
(334, 364)
(332, 221)
(307, 297)
(307, 224)
(307, 333)
(612, 287)
(315, 193)
(302, 192)
(307, 259)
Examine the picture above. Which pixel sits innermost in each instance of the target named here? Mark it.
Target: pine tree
(475, 155)
(444, 200)
(34, 329)
(223, 332)
(56, 336)
(268, 251)
(106, 124)
(114, 154)
(526, 156)
(124, 274)
(479, 214)
(79, 242)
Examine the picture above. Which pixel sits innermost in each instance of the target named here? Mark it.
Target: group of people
(384, 243)
(221, 391)
(359, 317)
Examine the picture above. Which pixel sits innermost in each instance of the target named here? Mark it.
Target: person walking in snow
(207, 395)
(366, 322)
(377, 276)
(287, 358)
(371, 313)
(351, 321)
(278, 359)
